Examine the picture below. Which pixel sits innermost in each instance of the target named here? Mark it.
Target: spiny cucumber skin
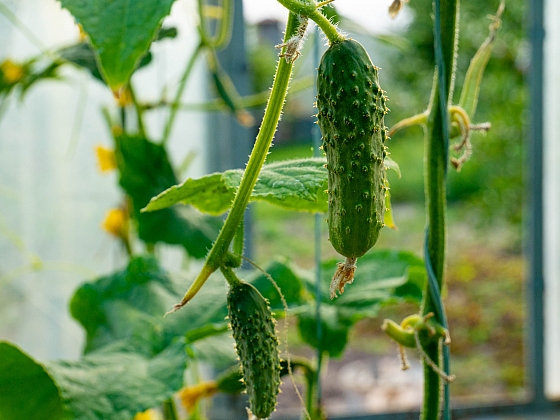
(351, 108)
(256, 345)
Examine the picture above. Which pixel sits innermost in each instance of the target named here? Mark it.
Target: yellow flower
(190, 395)
(116, 223)
(122, 96)
(11, 72)
(105, 159)
(82, 35)
(150, 414)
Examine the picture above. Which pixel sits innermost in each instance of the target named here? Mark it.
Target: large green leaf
(111, 384)
(121, 32)
(294, 184)
(334, 329)
(144, 172)
(217, 350)
(130, 305)
(83, 55)
(26, 390)
(382, 277)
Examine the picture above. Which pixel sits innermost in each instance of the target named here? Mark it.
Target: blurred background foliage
(486, 199)
(492, 181)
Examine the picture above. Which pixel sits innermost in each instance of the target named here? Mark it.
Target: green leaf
(391, 164)
(144, 172)
(130, 305)
(334, 329)
(382, 277)
(120, 31)
(292, 184)
(26, 390)
(114, 383)
(217, 350)
(388, 215)
(83, 55)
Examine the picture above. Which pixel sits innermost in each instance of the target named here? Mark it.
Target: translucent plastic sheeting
(52, 196)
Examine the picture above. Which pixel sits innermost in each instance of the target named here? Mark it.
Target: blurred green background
(485, 275)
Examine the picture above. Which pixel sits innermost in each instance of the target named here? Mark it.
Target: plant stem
(436, 169)
(139, 111)
(176, 102)
(418, 119)
(327, 27)
(122, 113)
(255, 100)
(310, 10)
(230, 276)
(256, 161)
(310, 395)
(223, 32)
(169, 411)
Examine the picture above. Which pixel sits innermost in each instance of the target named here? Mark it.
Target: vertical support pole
(319, 222)
(535, 284)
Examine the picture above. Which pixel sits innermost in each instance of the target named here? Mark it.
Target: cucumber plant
(351, 110)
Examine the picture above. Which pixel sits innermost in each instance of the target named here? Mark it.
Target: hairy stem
(419, 119)
(256, 160)
(310, 10)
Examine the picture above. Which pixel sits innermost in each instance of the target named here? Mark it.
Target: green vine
(256, 160)
(437, 144)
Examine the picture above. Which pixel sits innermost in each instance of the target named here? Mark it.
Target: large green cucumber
(256, 345)
(351, 107)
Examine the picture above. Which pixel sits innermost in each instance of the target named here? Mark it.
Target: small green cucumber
(256, 345)
(351, 108)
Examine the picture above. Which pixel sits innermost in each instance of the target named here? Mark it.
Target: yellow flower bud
(122, 96)
(150, 414)
(105, 158)
(116, 223)
(190, 395)
(11, 72)
(82, 35)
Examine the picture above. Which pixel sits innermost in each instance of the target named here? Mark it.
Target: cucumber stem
(230, 276)
(330, 30)
(311, 10)
(254, 165)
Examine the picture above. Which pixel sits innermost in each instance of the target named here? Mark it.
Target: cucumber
(257, 346)
(351, 109)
